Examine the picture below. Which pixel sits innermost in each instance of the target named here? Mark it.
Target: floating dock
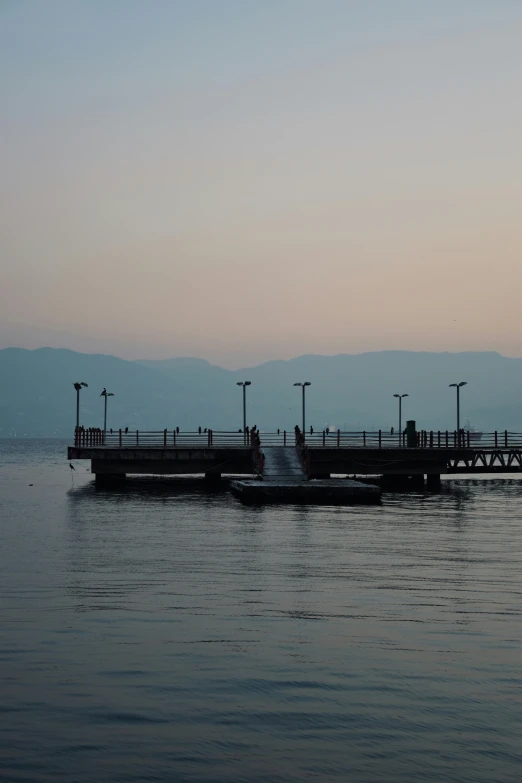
(286, 481)
(327, 492)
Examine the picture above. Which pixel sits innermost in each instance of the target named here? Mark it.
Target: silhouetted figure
(199, 430)
(205, 430)
(111, 430)
(392, 431)
(177, 429)
(311, 430)
(278, 431)
(126, 430)
(247, 430)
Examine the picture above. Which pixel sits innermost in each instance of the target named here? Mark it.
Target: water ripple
(151, 635)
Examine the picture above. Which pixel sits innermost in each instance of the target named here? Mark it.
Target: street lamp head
(463, 383)
(110, 394)
(78, 385)
(405, 395)
(298, 384)
(396, 395)
(307, 383)
(244, 383)
(248, 383)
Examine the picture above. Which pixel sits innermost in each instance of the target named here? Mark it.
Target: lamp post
(78, 386)
(303, 386)
(105, 394)
(458, 387)
(244, 384)
(400, 397)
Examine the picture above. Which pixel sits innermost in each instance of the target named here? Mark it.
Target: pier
(277, 464)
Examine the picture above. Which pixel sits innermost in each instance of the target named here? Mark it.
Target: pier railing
(376, 439)
(126, 438)
(380, 439)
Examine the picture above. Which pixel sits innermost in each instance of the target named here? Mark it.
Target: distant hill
(348, 391)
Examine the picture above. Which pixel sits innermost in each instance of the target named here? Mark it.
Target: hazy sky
(251, 179)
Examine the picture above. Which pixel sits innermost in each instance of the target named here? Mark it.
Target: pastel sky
(250, 179)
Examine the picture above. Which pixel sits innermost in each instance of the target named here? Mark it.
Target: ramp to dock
(283, 464)
(286, 481)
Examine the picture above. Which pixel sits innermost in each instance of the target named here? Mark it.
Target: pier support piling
(109, 480)
(433, 482)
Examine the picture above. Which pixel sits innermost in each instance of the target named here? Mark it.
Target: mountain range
(350, 391)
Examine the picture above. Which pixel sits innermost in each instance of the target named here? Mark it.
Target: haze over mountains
(349, 391)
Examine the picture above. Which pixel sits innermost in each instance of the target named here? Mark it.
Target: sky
(241, 180)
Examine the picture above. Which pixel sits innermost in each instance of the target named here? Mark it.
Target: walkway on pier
(283, 464)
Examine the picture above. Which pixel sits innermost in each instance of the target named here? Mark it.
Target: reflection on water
(153, 634)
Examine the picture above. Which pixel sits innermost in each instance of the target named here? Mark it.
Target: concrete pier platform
(322, 492)
(209, 461)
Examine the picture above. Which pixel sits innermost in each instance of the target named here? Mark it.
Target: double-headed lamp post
(458, 387)
(78, 386)
(303, 386)
(244, 384)
(105, 394)
(400, 398)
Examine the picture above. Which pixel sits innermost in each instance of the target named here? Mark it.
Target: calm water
(157, 636)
